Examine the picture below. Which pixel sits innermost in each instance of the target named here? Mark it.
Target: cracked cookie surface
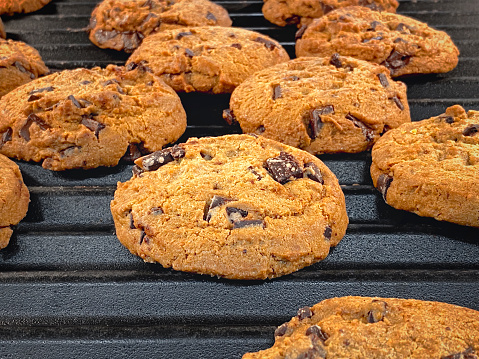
(321, 105)
(123, 24)
(402, 44)
(303, 12)
(207, 59)
(19, 64)
(88, 118)
(431, 167)
(377, 328)
(237, 206)
(14, 198)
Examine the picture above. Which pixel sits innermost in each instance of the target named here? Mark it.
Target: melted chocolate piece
(33, 98)
(44, 89)
(210, 16)
(283, 168)
(237, 46)
(216, 201)
(183, 34)
(396, 61)
(249, 223)
(140, 65)
(270, 45)
(235, 214)
(403, 28)
(136, 171)
(367, 132)
(277, 93)
(93, 125)
(299, 34)
(74, 101)
(134, 151)
(229, 117)
(315, 123)
(304, 313)
(142, 236)
(398, 103)
(373, 38)
(132, 222)
(328, 232)
(261, 129)
(471, 130)
(157, 159)
(25, 130)
(86, 82)
(189, 53)
(326, 8)
(312, 172)
(469, 353)
(281, 330)
(383, 183)
(383, 79)
(373, 25)
(21, 68)
(317, 331)
(335, 61)
(6, 137)
(447, 119)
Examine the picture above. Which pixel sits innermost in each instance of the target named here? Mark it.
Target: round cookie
(237, 206)
(88, 118)
(377, 328)
(14, 198)
(3, 34)
(303, 12)
(207, 59)
(402, 44)
(122, 24)
(431, 167)
(321, 105)
(19, 64)
(9, 7)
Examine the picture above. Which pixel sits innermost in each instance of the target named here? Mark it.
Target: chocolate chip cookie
(123, 24)
(431, 167)
(19, 64)
(88, 118)
(14, 198)
(9, 7)
(404, 45)
(207, 59)
(237, 206)
(321, 105)
(377, 328)
(303, 12)
(3, 34)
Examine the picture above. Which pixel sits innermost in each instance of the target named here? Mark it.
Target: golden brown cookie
(321, 105)
(14, 198)
(303, 12)
(3, 34)
(237, 206)
(122, 24)
(19, 64)
(207, 59)
(431, 167)
(88, 118)
(402, 44)
(9, 7)
(377, 328)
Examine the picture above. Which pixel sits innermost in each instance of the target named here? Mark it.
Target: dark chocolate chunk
(131, 40)
(110, 82)
(21, 68)
(237, 46)
(33, 98)
(235, 214)
(304, 313)
(328, 232)
(270, 45)
(136, 171)
(335, 61)
(383, 79)
(317, 331)
(293, 20)
(183, 34)
(401, 27)
(157, 159)
(189, 53)
(210, 16)
(44, 89)
(86, 82)
(396, 60)
(134, 151)
(277, 93)
(283, 168)
(229, 116)
(325, 8)
(261, 129)
(372, 318)
(398, 102)
(373, 38)
(142, 236)
(383, 183)
(248, 223)
(140, 65)
(281, 330)
(315, 122)
(6, 137)
(398, 39)
(469, 353)
(373, 25)
(470, 130)
(312, 172)
(367, 132)
(93, 125)
(25, 130)
(447, 119)
(132, 222)
(105, 35)
(156, 211)
(299, 34)
(216, 201)
(74, 101)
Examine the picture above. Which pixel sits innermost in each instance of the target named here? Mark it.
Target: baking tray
(69, 289)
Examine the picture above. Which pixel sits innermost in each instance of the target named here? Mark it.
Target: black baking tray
(69, 289)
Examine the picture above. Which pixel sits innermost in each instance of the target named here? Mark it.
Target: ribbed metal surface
(69, 289)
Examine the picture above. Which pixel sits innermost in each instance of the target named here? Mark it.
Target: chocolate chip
(304, 313)
(383, 79)
(270, 45)
(367, 132)
(183, 34)
(315, 123)
(277, 93)
(371, 317)
(74, 101)
(25, 130)
(248, 223)
(398, 102)
(281, 330)
(398, 39)
(229, 117)
(235, 214)
(261, 129)
(328, 232)
(252, 170)
(93, 125)
(142, 236)
(33, 98)
(131, 40)
(86, 82)
(373, 25)
(447, 119)
(403, 28)
(134, 151)
(396, 61)
(373, 38)
(156, 211)
(148, 4)
(189, 53)
(293, 20)
(299, 34)
(21, 68)
(157, 159)
(6, 137)
(325, 8)
(140, 65)
(469, 353)
(216, 201)
(132, 222)
(470, 130)
(335, 61)
(383, 183)
(110, 82)
(317, 331)
(283, 168)
(44, 89)
(136, 171)
(210, 16)
(237, 46)
(312, 172)
(105, 35)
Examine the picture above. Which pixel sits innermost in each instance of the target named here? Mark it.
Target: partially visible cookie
(237, 206)
(3, 34)
(431, 167)
(88, 118)
(321, 105)
(303, 12)
(402, 44)
(122, 24)
(377, 328)
(207, 59)
(14, 198)
(19, 64)
(9, 7)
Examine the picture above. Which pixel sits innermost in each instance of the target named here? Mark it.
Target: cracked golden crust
(122, 24)
(9, 7)
(376, 36)
(305, 85)
(87, 118)
(377, 328)
(434, 166)
(14, 198)
(303, 12)
(294, 216)
(208, 59)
